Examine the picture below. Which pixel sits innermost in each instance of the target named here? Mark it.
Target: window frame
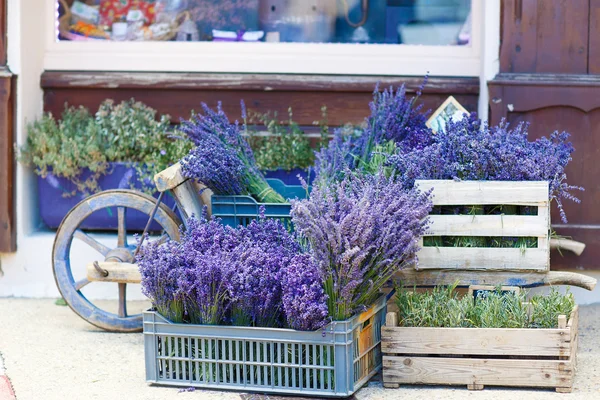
(284, 58)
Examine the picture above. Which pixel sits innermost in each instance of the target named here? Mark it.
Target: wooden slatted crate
(488, 193)
(478, 356)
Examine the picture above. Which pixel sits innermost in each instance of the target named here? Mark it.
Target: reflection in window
(421, 22)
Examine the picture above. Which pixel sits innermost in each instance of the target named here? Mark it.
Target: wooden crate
(473, 193)
(477, 356)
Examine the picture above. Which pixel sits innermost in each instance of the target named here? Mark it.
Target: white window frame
(292, 58)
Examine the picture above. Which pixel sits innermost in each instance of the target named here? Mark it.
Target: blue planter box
(241, 210)
(54, 207)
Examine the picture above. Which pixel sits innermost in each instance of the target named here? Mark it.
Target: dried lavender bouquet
(222, 159)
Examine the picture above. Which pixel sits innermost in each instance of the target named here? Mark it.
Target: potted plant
(122, 146)
(282, 149)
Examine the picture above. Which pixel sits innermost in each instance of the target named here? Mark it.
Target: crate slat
(482, 258)
(463, 371)
(486, 192)
(480, 341)
(488, 225)
(476, 357)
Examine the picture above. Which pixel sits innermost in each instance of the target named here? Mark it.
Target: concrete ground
(50, 353)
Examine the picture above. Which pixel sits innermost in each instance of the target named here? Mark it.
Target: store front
(173, 55)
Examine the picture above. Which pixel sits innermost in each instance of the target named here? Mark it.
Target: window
(368, 37)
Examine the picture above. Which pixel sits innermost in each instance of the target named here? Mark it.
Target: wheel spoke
(122, 300)
(162, 239)
(122, 228)
(81, 284)
(90, 241)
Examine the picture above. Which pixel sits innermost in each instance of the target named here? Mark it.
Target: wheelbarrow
(116, 264)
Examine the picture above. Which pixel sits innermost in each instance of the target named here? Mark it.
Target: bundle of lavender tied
(222, 159)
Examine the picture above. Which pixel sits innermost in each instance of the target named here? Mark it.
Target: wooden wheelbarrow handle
(567, 244)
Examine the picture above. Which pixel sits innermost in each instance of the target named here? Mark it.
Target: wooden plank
(177, 94)
(567, 244)
(170, 178)
(476, 341)
(573, 324)
(250, 82)
(483, 258)
(391, 319)
(488, 225)
(430, 278)
(464, 371)
(446, 192)
(549, 36)
(8, 233)
(594, 38)
(475, 386)
(191, 199)
(117, 272)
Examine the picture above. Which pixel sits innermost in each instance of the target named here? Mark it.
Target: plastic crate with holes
(241, 210)
(333, 362)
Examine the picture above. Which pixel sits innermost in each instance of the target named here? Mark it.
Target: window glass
(416, 22)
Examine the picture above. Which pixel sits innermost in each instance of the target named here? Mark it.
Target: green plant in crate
(444, 307)
(127, 132)
(546, 309)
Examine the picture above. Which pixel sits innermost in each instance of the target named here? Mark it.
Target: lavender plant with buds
(304, 299)
(361, 231)
(218, 275)
(394, 118)
(470, 150)
(222, 159)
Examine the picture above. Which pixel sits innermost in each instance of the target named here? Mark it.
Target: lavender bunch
(304, 299)
(222, 159)
(470, 150)
(394, 117)
(203, 287)
(265, 248)
(218, 274)
(159, 267)
(185, 280)
(361, 231)
(394, 120)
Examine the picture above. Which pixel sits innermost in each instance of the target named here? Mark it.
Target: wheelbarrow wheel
(72, 280)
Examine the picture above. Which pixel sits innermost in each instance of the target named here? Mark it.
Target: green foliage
(546, 309)
(127, 132)
(443, 307)
(284, 145)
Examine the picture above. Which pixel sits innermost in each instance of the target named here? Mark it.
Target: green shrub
(443, 307)
(127, 132)
(284, 145)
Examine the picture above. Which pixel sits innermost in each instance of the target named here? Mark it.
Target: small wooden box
(482, 193)
(478, 356)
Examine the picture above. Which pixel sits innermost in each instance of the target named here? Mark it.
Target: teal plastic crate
(241, 210)
(334, 361)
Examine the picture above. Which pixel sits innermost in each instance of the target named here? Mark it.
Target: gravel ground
(50, 353)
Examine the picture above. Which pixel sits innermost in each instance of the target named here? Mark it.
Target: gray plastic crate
(333, 362)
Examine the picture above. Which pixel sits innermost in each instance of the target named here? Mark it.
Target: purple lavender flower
(217, 274)
(304, 300)
(222, 159)
(470, 150)
(393, 117)
(361, 231)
